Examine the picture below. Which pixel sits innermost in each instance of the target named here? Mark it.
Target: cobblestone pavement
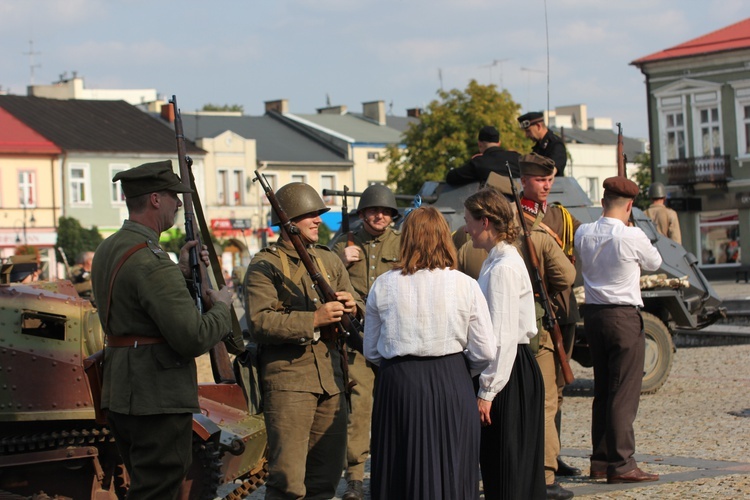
(694, 432)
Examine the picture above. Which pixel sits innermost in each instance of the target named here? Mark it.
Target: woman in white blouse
(427, 326)
(511, 389)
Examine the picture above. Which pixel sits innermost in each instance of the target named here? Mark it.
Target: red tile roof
(18, 138)
(733, 37)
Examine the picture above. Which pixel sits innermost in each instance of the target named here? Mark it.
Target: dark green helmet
(657, 190)
(378, 195)
(298, 198)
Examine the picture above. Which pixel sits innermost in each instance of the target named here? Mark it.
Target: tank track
(55, 439)
(252, 483)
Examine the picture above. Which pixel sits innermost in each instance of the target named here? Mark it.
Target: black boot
(354, 491)
(565, 470)
(557, 492)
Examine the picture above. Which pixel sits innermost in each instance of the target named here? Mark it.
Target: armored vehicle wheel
(659, 354)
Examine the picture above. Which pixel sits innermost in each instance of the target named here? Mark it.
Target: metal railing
(690, 171)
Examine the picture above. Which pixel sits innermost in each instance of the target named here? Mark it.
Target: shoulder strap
(122, 260)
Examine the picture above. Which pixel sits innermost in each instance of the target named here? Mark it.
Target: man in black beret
(491, 158)
(153, 334)
(545, 142)
(612, 255)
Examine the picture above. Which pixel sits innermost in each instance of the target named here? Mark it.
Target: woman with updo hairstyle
(428, 328)
(510, 393)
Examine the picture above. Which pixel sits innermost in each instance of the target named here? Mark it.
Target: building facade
(699, 122)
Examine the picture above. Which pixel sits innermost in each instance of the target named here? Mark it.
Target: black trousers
(617, 342)
(157, 451)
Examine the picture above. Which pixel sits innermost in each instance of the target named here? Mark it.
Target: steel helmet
(378, 195)
(298, 198)
(657, 190)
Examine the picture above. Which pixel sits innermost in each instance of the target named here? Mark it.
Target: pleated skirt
(425, 430)
(512, 448)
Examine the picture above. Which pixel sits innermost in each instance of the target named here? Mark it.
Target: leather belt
(132, 340)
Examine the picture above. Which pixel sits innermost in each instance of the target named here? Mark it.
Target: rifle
(220, 364)
(345, 213)
(621, 158)
(549, 320)
(350, 327)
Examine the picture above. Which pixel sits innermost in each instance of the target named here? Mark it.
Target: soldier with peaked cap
(301, 368)
(537, 177)
(612, 255)
(665, 219)
(491, 158)
(154, 332)
(546, 143)
(367, 253)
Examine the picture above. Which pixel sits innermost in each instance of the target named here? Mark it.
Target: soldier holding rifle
(154, 332)
(301, 362)
(367, 253)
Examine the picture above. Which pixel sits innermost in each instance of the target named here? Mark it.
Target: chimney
(278, 106)
(375, 111)
(332, 110)
(167, 112)
(414, 112)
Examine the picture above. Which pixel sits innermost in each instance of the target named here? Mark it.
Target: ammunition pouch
(247, 373)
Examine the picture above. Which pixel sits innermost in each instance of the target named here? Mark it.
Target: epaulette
(322, 247)
(270, 249)
(397, 231)
(156, 249)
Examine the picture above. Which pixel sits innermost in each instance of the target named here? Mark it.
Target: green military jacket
(280, 300)
(150, 298)
(379, 255)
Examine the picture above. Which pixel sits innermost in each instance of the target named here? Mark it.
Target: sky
(353, 51)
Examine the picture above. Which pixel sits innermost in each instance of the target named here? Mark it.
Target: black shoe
(566, 470)
(355, 490)
(557, 492)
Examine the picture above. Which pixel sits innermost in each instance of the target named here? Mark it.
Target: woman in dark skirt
(428, 328)
(511, 389)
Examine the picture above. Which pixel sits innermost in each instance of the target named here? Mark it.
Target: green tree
(74, 239)
(643, 179)
(223, 107)
(446, 135)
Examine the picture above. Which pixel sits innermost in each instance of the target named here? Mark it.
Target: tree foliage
(223, 107)
(446, 135)
(643, 179)
(74, 239)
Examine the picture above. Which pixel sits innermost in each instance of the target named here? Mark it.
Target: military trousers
(545, 358)
(568, 334)
(306, 443)
(360, 418)
(618, 345)
(157, 451)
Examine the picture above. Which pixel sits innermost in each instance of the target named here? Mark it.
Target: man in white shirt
(612, 254)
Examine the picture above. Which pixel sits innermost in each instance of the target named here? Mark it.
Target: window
(273, 182)
(720, 237)
(237, 188)
(222, 187)
(116, 196)
(79, 184)
(27, 188)
(675, 135)
(299, 178)
(742, 110)
(328, 182)
(710, 132)
(745, 145)
(372, 156)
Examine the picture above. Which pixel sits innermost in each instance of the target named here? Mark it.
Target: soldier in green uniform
(80, 276)
(301, 367)
(367, 253)
(154, 332)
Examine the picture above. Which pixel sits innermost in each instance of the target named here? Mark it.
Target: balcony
(690, 171)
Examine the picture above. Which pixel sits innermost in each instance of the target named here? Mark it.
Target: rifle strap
(116, 270)
(301, 270)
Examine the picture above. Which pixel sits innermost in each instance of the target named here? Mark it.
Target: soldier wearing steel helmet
(367, 253)
(301, 369)
(665, 219)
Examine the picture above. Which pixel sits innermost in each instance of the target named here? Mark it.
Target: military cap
(621, 186)
(488, 133)
(529, 119)
(536, 164)
(150, 178)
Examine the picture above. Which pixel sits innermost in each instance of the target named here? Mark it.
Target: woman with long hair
(511, 389)
(428, 328)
